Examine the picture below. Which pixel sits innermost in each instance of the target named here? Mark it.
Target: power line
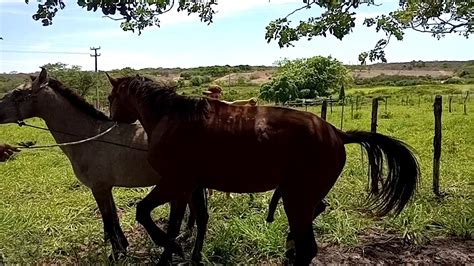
(40, 52)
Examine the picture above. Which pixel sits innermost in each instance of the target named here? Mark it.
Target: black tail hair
(403, 174)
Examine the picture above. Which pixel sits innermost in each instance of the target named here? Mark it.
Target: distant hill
(257, 75)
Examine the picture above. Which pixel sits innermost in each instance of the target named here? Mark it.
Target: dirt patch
(255, 77)
(260, 77)
(377, 72)
(388, 249)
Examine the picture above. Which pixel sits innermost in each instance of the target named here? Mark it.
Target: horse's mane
(76, 100)
(162, 99)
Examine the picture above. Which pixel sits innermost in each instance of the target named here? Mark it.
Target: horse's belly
(242, 177)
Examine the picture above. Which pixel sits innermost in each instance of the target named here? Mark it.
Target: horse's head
(20, 103)
(121, 108)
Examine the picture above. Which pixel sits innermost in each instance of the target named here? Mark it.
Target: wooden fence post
(465, 101)
(330, 103)
(438, 107)
(342, 112)
(449, 104)
(352, 109)
(375, 106)
(386, 102)
(324, 108)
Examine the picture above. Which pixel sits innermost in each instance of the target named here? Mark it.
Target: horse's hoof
(196, 259)
(290, 252)
(176, 248)
(166, 258)
(164, 261)
(270, 219)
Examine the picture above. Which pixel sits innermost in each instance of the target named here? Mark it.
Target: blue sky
(235, 37)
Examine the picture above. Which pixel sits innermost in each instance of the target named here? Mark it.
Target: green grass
(47, 215)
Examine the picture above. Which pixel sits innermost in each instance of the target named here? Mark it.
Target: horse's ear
(40, 81)
(112, 81)
(32, 77)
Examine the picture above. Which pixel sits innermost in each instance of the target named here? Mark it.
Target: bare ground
(373, 248)
(376, 72)
(389, 249)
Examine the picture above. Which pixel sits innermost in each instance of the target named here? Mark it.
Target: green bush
(199, 80)
(454, 80)
(308, 78)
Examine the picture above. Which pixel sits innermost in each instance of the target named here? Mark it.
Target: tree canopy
(305, 78)
(434, 17)
(80, 81)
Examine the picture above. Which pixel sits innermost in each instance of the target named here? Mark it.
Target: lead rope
(22, 123)
(65, 143)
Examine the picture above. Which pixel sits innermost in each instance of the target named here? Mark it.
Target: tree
(342, 94)
(134, 15)
(81, 81)
(434, 17)
(305, 78)
(280, 90)
(338, 19)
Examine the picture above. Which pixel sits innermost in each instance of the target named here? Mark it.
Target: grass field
(46, 215)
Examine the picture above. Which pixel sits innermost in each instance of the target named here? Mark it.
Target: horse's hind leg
(273, 205)
(300, 213)
(320, 208)
(112, 229)
(290, 242)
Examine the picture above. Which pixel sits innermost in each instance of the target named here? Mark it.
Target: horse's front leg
(177, 210)
(112, 230)
(199, 202)
(158, 196)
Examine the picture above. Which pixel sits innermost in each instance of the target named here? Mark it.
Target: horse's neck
(146, 117)
(61, 116)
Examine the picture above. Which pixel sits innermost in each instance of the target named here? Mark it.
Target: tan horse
(183, 132)
(70, 118)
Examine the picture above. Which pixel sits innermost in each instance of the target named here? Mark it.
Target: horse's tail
(402, 171)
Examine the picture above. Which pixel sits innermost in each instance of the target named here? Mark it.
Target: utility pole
(95, 55)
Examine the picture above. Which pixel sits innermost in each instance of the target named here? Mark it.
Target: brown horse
(184, 131)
